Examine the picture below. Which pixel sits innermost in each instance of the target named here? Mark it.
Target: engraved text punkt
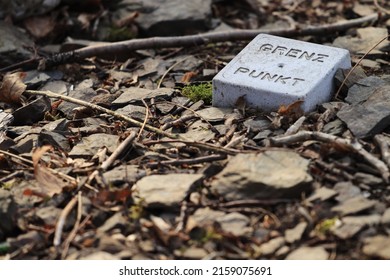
(264, 75)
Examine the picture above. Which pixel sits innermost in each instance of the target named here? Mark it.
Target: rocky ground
(136, 163)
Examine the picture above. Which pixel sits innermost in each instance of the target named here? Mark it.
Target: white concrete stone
(273, 71)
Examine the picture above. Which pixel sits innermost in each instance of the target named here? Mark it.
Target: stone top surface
(291, 68)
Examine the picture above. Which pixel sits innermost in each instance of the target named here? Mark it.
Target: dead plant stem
(101, 109)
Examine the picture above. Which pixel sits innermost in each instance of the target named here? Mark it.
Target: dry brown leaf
(40, 27)
(187, 77)
(50, 184)
(292, 109)
(12, 87)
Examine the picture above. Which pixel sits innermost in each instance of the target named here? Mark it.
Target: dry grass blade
(358, 63)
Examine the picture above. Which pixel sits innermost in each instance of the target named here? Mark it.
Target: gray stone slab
(272, 174)
(160, 191)
(308, 253)
(377, 246)
(134, 95)
(370, 117)
(295, 234)
(174, 17)
(354, 205)
(90, 145)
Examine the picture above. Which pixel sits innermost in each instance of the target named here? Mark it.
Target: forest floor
(117, 153)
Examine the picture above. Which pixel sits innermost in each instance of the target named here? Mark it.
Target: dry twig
(101, 109)
(175, 162)
(61, 221)
(55, 172)
(76, 227)
(383, 143)
(352, 145)
(382, 9)
(110, 160)
(205, 146)
(201, 39)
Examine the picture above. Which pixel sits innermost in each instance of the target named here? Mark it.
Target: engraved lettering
(293, 52)
(320, 57)
(306, 55)
(266, 47)
(269, 77)
(281, 50)
(242, 70)
(282, 79)
(252, 74)
(296, 80)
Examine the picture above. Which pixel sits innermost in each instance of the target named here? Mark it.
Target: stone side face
(272, 71)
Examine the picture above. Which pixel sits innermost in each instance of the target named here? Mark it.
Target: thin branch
(205, 146)
(175, 162)
(55, 172)
(358, 63)
(147, 110)
(61, 221)
(11, 176)
(169, 69)
(76, 227)
(179, 121)
(382, 9)
(352, 145)
(201, 39)
(383, 143)
(101, 109)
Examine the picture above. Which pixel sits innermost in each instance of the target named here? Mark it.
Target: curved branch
(206, 38)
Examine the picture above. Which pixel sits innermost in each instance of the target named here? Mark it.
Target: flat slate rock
(162, 191)
(308, 253)
(322, 194)
(272, 174)
(377, 246)
(85, 94)
(124, 173)
(174, 17)
(363, 88)
(346, 190)
(214, 114)
(133, 111)
(234, 223)
(271, 246)
(199, 132)
(295, 234)
(351, 225)
(8, 212)
(370, 117)
(135, 95)
(12, 47)
(386, 217)
(90, 145)
(363, 42)
(354, 205)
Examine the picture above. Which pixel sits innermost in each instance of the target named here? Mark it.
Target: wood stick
(201, 39)
(101, 109)
(61, 221)
(352, 145)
